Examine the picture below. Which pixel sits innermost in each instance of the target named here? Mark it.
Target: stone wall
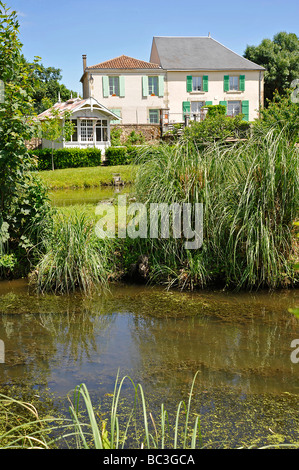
(151, 132)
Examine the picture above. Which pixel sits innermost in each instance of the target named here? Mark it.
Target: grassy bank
(86, 177)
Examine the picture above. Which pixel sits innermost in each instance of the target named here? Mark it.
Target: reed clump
(74, 257)
(249, 192)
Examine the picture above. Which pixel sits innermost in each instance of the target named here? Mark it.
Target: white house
(184, 73)
(133, 89)
(91, 122)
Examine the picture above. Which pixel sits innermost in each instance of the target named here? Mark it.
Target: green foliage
(23, 201)
(280, 57)
(67, 158)
(121, 155)
(178, 435)
(249, 192)
(75, 258)
(135, 138)
(47, 87)
(216, 109)
(216, 127)
(56, 127)
(115, 134)
(281, 113)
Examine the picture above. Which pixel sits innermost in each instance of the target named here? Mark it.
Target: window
(94, 131)
(233, 108)
(114, 86)
(102, 130)
(153, 85)
(87, 130)
(196, 84)
(233, 83)
(196, 106)
(154, 116)
(74, 137)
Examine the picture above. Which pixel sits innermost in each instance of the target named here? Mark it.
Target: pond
(70, 197)
(247, 386)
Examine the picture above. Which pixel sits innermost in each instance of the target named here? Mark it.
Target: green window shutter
(105, 86)
(122, 86)
(245, 110)
(224, 103)
(186, 107)
(242, 83)
(189, 83)
(161, 85)
(226, 83)
(205, 83)
(118, 113)
(208, 103)
(144, 86)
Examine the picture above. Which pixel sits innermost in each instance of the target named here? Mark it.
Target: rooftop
(197, 53)
(124, 62)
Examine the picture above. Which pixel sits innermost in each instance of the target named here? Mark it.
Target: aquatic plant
(97, 435)
(250, 195)
(74, 257)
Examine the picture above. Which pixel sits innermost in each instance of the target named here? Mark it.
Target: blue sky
(61, 31)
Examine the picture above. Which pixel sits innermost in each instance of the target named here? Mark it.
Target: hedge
(121, 155)
(67, 158)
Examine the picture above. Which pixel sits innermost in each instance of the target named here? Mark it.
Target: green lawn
(86, 177)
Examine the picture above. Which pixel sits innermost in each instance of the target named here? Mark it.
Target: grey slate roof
(199, 53)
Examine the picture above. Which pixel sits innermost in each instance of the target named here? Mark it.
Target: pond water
(69, 197)
(240, 343)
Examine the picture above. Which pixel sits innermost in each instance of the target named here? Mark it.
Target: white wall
(177, 91)
(134, 106)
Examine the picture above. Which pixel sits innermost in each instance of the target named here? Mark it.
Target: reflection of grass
(86, 177)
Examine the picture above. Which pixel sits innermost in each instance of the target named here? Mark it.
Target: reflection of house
(91, 122)
(184, 73)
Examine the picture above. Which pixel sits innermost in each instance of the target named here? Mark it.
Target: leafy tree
(280, 58)
(281, 114)
(23, 202)
(57, 127)
(47, 87)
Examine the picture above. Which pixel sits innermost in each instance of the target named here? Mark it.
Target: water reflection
(159, 338)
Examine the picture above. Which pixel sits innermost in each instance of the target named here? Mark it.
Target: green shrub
(115, 135)
(67, 158)
(116, 156)
(216, 128)
(216, 110)
(135, 138)
(121, 155)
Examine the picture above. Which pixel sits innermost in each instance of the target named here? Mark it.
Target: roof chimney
(84, 62)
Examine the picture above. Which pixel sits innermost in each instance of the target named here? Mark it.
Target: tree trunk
(52, 157)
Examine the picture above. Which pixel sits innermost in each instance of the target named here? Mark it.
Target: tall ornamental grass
(74, 257)
(250, 195)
